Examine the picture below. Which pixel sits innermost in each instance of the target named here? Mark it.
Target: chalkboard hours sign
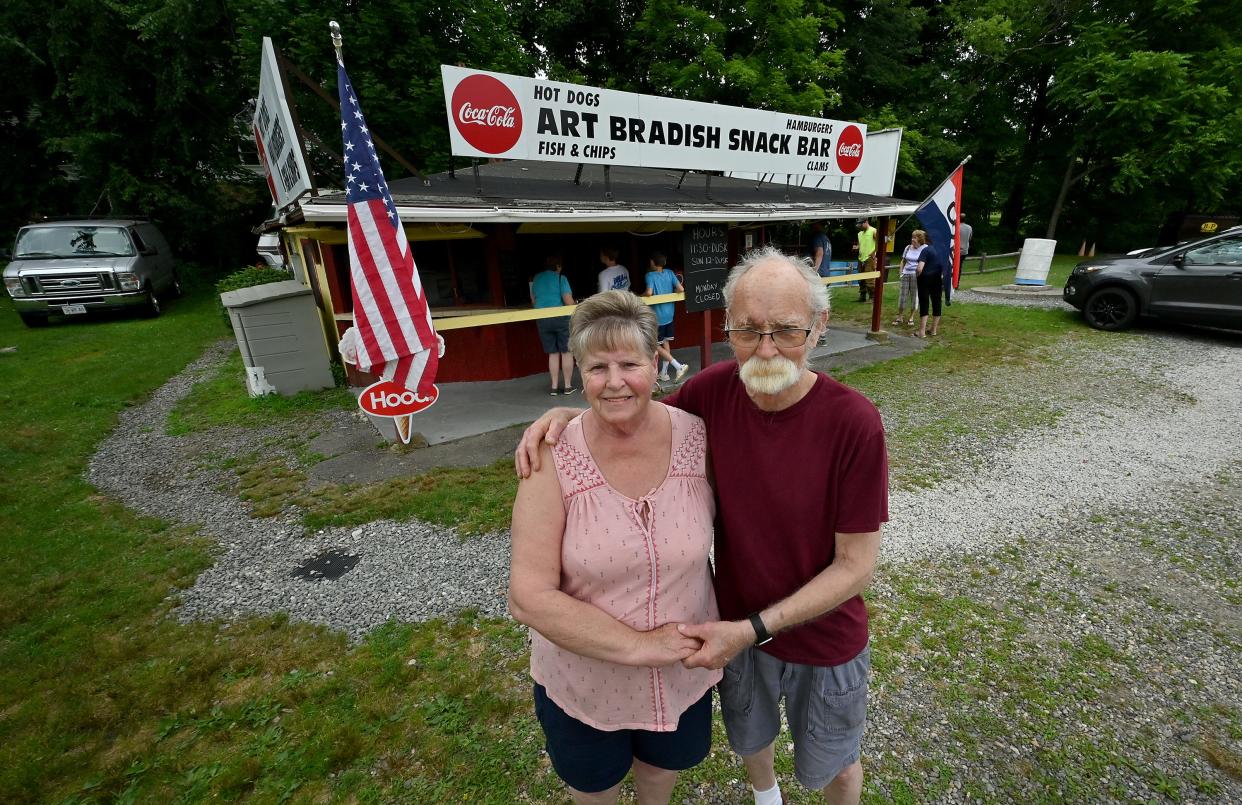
(706, 253)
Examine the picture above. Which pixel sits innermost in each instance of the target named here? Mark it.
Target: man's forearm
(832, 587)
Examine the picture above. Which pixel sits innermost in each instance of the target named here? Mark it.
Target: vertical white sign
(275, 136)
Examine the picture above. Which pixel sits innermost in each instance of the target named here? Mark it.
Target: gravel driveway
(1106, 537)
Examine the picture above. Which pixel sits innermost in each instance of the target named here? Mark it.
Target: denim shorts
(554, 334)
(592, 760)
(826, 707)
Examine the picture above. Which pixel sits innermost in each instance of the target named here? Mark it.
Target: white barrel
(1035, 261)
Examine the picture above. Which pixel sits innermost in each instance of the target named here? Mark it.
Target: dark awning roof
(519, 190)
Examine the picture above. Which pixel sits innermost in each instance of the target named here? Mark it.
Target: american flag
(395, 338)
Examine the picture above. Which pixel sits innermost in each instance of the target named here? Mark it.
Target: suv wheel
(152, 306)
(174, 288)
(1110, 309)
(34, 319)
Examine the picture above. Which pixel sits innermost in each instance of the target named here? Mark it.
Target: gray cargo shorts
(826, 707)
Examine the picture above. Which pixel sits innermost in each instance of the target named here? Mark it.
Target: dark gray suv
(1194, 283)
(71, 267)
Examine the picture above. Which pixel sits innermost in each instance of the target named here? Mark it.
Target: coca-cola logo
(486, 114)
(387, 398)
(496, 116)
(849, 149)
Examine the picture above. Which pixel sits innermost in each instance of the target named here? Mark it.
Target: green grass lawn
(221, 400)
(104, 697)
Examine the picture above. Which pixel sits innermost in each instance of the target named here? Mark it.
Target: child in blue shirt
(661, 281)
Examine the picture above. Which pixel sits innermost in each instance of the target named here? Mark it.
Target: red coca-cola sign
(849, 149)
(486, 114)
(387, 398)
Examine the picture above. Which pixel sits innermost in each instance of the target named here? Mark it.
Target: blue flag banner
(938, 215)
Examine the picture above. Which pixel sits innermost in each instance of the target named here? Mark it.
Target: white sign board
(280, 150)
(875, 176)
(493, 115)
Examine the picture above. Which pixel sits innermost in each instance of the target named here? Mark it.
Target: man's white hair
(816, 292)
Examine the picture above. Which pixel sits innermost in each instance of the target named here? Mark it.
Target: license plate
(71, 310)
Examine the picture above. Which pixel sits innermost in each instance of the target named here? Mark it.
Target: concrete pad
(1020, 291)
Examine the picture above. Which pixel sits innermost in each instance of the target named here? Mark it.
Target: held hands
(546, 428)
(722, 641)
(664, 645)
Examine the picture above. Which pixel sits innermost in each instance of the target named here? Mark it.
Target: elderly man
(802, 490)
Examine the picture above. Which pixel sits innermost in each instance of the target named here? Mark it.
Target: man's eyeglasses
(790, 338)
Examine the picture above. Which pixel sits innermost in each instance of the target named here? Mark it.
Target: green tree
(769, 55)
(127, 108)
(1095, 110)
(393, 50)
(32, 179)
(580, 41)
(1146, 108)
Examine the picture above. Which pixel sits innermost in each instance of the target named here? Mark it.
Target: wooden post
(705, 351)
(877, 296)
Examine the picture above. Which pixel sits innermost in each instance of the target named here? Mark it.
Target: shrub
(249, 277)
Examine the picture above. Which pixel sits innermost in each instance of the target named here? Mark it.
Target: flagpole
(932, 193)
(336, 40)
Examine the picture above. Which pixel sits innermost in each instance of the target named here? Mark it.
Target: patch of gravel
(1128, 422)
(410, 571)
(1120, 679)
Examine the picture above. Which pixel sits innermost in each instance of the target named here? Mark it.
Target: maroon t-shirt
(787, 482)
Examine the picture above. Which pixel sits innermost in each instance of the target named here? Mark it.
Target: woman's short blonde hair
(612, 320)
(919, 235)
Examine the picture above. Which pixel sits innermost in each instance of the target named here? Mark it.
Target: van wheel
(174, 288)
(151, 307)
(34, 319)
(1110, 309)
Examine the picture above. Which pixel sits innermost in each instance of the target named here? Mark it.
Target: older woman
(610, 555)
(908, 294)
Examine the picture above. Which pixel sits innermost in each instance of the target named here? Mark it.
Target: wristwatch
(761, 631)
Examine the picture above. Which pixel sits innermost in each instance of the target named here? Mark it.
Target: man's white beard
(769, 375)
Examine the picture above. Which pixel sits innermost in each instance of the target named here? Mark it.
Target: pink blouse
(645, 563)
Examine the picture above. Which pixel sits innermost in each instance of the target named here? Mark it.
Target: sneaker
(569, 390)
(554, 392)
(682, 371)
(664, 378)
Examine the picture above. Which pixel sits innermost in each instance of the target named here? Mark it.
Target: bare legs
(935, 330)
(554, 366)
(760, 767)
(653, 785)
(561, 363)
(845, 789)
(600, 798)
(666, 354)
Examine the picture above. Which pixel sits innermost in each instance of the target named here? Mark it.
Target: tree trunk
(1036, 122)
(1067, 180)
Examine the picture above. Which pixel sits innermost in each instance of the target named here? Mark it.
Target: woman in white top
(909, 275)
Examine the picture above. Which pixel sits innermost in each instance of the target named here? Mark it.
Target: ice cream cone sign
(390, 399)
